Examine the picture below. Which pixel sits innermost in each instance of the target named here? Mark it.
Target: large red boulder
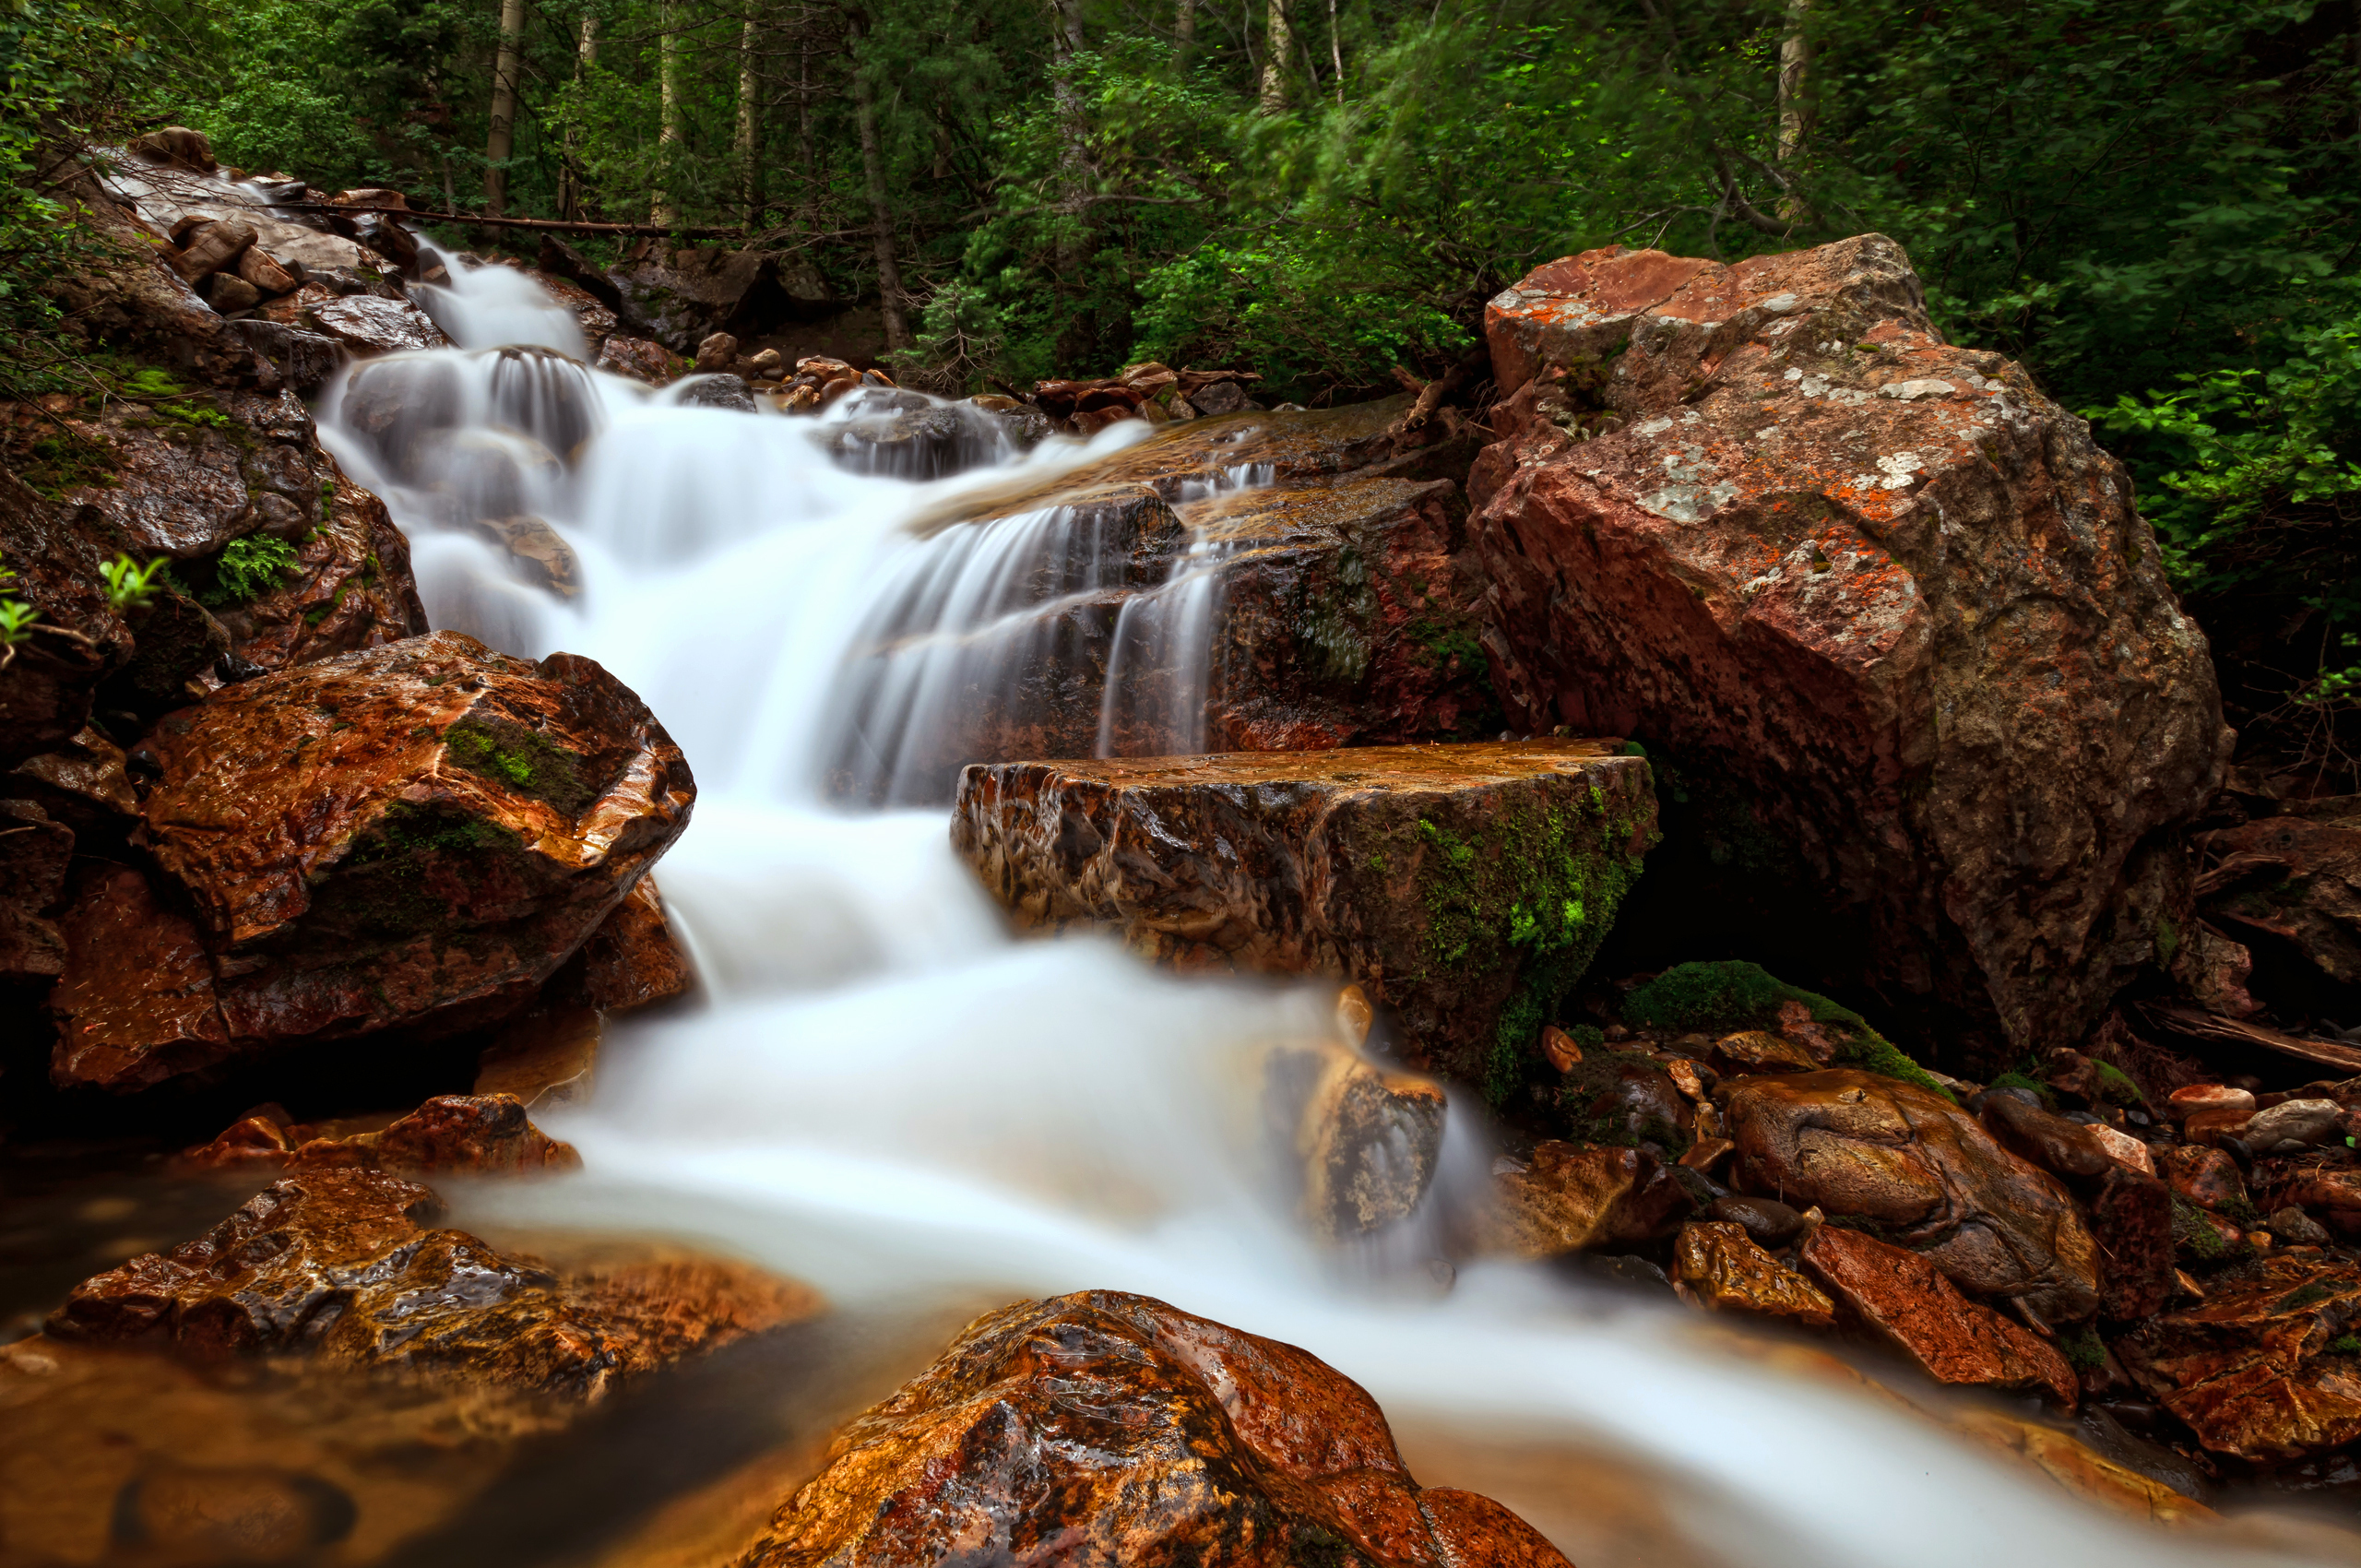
(414, 835)
(1763, 517)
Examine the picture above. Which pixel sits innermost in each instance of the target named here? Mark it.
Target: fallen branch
(547, 225)
(2213, 1027)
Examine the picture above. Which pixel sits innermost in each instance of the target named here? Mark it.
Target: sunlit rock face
(1107, 1426)
(419, 834)
(1765, 518)
(1466, 887)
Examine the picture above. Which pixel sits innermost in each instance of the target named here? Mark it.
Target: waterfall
(879, 1091)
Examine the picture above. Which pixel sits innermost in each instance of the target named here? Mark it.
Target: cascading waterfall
(883, 1094)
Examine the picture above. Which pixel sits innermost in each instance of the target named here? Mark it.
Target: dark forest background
(2152, 207)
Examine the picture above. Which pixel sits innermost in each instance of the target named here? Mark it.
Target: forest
(2152, 208)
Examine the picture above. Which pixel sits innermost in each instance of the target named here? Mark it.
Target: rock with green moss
(414, 836)
(1464, 888)
(1731, 995)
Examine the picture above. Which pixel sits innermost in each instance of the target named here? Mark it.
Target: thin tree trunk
(881, 212)
(1337, 52)
(499, 142)
(749, 139)
(1073, 151)
(1795, 68)
(665, 209)
(1278, 40)
(807, 150)
(1184, 29)
(569, 174)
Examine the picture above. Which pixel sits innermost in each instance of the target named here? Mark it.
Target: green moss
(1590, 1036)
(2016, 1080)
(2193, 1233)
(1734, 995)
(2344, 1345)
(2302, 1296)
(2167, 941)
(2115, 1087)
(525, 761)
(2084, 1349)
(56, 465)
(405, 874)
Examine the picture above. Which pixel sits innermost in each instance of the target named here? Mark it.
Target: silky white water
(881, 1093)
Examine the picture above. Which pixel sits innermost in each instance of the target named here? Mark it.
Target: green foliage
(2084, 1349)
(249, 568)
(1733, 994)
(130, 585)
(2344, 1345)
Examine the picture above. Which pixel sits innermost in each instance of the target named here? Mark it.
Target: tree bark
(1278, 41)
(669, 135)
(881, 212)
(806, 147)
(749, 140)
(569, 174)
(499, 142)
(1795, 68)
(1184, 29)
(1337, 52)
(1073, 151)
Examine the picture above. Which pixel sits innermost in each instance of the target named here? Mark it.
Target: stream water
(881, 1093)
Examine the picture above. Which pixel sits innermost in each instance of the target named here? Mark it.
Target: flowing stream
(881, 1092)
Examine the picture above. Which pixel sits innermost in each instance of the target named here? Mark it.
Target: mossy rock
(1731, 994)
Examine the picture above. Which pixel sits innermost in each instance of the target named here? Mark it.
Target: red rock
(34, 853)
(2326, 1185)
(1504, 860)
(638, 358)
(1107, 1428)
(2295, 877)
(418, 834)
(1565, 1198)
(340, 1264)
(454, 1134)
(2249, 1368)
(2132, 1220)
(1880, 584)
(251, 1141)
(1721, 1264)
(2058, 1145)
(630, 961)
(1920, 1168)
(2204, 1175)
(1910, 1303)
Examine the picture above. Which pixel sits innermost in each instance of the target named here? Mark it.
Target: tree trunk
(749, 140)
(499, 142)
(1337, 52)
(1795, 66)
(1184, 29)
(881, 212)
(806, 148)
(1278, 41)
(1074, 149)
(664, 209)
(569, 174)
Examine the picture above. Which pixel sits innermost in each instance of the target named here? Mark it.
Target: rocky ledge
(1464, 888)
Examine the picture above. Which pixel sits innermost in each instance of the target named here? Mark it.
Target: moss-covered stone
(1734, 994)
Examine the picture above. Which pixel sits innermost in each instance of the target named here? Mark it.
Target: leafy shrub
(249, 568)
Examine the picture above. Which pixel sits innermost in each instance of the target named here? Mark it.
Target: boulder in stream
(1905, 1300)
(1463, 887)
(416, 835)
(1110, 1428)
(1887, 602)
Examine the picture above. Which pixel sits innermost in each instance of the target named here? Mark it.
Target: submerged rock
(1109, 1428)
(1923, 1171)
(1909, 1303)
(2265, 1366)
(417, 835)
(342, 1265)
(1464, 888)
(1764, 516)
(1360, 1143)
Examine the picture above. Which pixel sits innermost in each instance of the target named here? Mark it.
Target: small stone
(1706, 1153)
(2187, 1101)
(766, 364)
(1722, 1264)
(2058, 1145)
(2294, 1227)
(2125, 1149)
(716, 354)
(1757, 1050)
(2302, 1121)
(1769, 1222)
(1685, 1078)
(2208, 1126)
(2205, 1176)
(226, 291)
(1571, 1196)
(255, 266)
(1560, 1048)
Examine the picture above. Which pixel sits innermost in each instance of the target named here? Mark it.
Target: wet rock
(1722, 1266)
(2326, 1185)
(288, 358)
(1360, 1143)
(2089, 1472)
(1759, 1050)
(1111, 1428)
(719, 351)
(1508, 858)
(910, 435)
(2294, 1228)
(1920, 1168)
(366, 325)
(480, 1134)
(211, 248)
(2124, 1149)
(265, 276)
(2190, 1098)
(1913, 1305)
(728, 393)
(2207, 1177)
(547, 1058)
(1625, 1097)
(46, 689)
(1567, 1198)
(419, 835)
(2295, 879)
(2131, 1222)
(2058, 1145)
(1770, 1222)
(1801, 528)
(2294, 1121)
(638, 358)
(34, 854)
(630, 961)
(539, 553)
(341, 1265)
(2253, 1367)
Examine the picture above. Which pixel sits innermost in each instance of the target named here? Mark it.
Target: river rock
(1722, 1267)
(34, 854)
(2203, 1175)
(366, 325)
(2326, 1185)
(638, 358)
(630, 961)
(478, 1135)
(1910, 1303)
(1564, 1198)
(418, 834)
(1463, 887)
(2295, 880)
(2061, 1147)
(1360, 1143)
(2252, 1366)
(2293, 1121)
(1762, 516)
(342, 1265)
(1107, 1428)
(2131, 1222)
(1920, 1168)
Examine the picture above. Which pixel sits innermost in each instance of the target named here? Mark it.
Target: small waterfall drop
(881, 1092)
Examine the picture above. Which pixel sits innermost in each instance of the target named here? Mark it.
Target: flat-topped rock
(1464, 887)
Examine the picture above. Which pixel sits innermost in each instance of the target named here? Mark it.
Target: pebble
(1770, 1223)
(2187, 1101)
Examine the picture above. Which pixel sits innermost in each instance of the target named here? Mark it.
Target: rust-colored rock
(547, 1056)
(2203, 1175)
(2249, 1368)
(460, 1135)
(2295, 878)
(2326, 1185)
(34, 853)
(342, 1264)
(1879, 583)
(1359, 1144)
(638, 358)
(1914, 1306)
(1109, 1428)
(1463, 888)
(418, 834)
(1722, 1267)
(630, 961)
(1571, 1197)
(1758, 1051)
(2059, 1146)
(2132, 1220)
(1922, 1170)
